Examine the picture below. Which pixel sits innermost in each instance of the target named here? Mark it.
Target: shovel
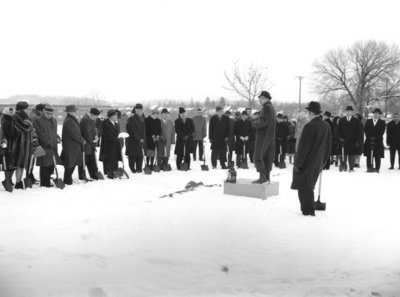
(231, 164)
(204, 167)
(166, 166)
(99, 175)
(184, 166)
(27, 181)
(371, 169)
(58, 182)
(84, 167)
(147, 169)
(156, 167)
(7, 184)
(318, 205)
(120, 172)
(342, 166)
(243, 163)
(282, 164)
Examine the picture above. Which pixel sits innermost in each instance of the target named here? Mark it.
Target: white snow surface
(118, 238)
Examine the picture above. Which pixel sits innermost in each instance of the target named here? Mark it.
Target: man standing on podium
(312, 153)
(264, 151)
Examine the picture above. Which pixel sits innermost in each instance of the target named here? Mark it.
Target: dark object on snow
(318, 205)
(225, 269)
(204, 167)
(58, 182)
(190, 186)
(231, 176)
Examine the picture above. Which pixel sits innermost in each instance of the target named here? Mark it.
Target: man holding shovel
(313, 152)
(184, 128)
(242, 131)
(218, 133)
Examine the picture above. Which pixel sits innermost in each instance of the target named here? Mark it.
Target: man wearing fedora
(136, 142)
(218, 133)
(350, 138)
(72, 143)
(184, 129)
(374, 130)
(200, 132)
(393, 139)
(264, 150)
(167, 137)
(313, 152)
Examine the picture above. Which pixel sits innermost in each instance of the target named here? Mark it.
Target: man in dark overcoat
(231, 141)
(184, 129)
(46, 129)
(242, 131)
(153, 133)
(312, 153)
(281, 134)
(393, 139)
(136, 142)
(264, 150)
(218, 133)
(110, 151)
(350, 137)
(72, 143)
(374, 130)
(252, 139)
(89, 133)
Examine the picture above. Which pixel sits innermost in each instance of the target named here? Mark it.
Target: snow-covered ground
(119, 238)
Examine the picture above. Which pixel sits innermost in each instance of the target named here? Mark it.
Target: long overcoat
(393, 134)
(200, 127)
(241, 128)
(351, 132)
(22, 143)
(184, 129)
(7, 129)
(110, 150)
(265, 135)
(46, 130)
(153, 128)
(89, 132)
(135, 127)
(376, 132)
(167, 138)
(312, 153)
(72, 142)
(218, 130)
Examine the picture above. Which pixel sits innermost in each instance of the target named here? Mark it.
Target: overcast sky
(143, 50)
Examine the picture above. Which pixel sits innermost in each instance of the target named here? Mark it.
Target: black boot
(262, 179)
(19, 185)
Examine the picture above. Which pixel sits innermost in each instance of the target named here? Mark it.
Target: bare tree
(248, 82)
(357, 71)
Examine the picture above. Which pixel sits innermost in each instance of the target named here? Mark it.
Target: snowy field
(120, 239)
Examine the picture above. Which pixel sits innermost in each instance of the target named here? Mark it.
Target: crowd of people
(31, 139)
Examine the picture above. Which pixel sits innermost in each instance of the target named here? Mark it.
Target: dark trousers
(135, 164)
(201, 150)
(393, 151)
(91, 167)
(377, 161)
(351, 158)
(306, 197)
(179, 159)
(218, 153)
(68, 175)
(280, 157)
(45, 173)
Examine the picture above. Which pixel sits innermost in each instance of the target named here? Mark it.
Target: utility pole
(386, 97)
(300, 78)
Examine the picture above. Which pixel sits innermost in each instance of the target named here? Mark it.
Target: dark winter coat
(167, 138)
(291, 147)
(332, 127)
(153, 129)
(351, 133)
(135, 127)
(72, 142)
(110, 151)
(282, 134)
(313, 152)
(184, 135)
(393, 134)
(89, 132)
(200, 127)
(22, 140)
(218, 131)
(46, 130)
(231, 142)
(7, 129)
(99, 126)
(244, 129)
(374, 134)
(265, 135)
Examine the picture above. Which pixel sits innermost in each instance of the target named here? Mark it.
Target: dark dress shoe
(19, 186)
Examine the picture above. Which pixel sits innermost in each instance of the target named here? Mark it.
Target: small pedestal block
(244, 187)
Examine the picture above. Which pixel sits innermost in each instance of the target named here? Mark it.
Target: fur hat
(22, 105)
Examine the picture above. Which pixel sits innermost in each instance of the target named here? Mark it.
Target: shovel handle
(55, 165)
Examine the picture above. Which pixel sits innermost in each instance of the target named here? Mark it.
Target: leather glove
(242, 138)
(4, 143)
(141, 141)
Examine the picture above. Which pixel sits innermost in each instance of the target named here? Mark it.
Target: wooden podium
(244, 187)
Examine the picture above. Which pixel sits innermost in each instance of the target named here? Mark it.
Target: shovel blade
(231, 164)
(167, 167)
(59, 183)
(156, 168)
(99, 175)
(204, 168)
(147, 170)
(244, 165)
(282, 165)
(185, 167)
(28, 182)
(318, 205)
(119, 173)
(8, 186)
